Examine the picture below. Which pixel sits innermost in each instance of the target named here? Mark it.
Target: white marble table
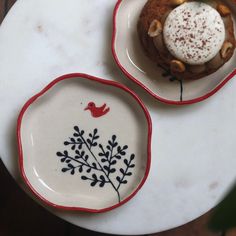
(193, 157)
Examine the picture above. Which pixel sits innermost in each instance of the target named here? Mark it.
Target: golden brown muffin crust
(159, 10)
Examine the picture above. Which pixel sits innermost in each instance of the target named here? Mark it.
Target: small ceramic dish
(130, 57)
(84, 143)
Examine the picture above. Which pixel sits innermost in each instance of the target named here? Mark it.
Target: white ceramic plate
(84, 143)
(130, 57)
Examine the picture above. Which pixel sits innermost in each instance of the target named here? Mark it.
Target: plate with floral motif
(84, 143)
(156, 80)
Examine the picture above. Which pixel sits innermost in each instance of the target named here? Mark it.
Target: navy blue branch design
(99, 170)
(92, 140)
(80, 158)
(167, 73)
(94, 180)
(125, 173)
(108, 157)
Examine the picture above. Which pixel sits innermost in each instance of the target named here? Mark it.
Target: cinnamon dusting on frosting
(194, 33)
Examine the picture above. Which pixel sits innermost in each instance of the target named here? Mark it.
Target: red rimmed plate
(84, 143)
(130, 57)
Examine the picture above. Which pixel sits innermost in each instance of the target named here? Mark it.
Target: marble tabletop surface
(193, 161)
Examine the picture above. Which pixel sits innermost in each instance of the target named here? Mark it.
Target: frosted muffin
(190, 39)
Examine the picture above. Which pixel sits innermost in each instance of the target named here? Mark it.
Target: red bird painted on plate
(97, 111)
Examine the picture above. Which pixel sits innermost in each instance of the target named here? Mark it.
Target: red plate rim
(156, 96)
(102, 81)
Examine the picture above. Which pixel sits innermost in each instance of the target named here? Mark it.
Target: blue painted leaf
(86, 157)
(113, 137)
(63, 159)
(76, 128)
(108, 147)
(132, 166)
(124, 182)
(70, 166)
(94, 165)
(95, 131)
(118, 179)
(102, 184)
(113, 162)
(132, 157)
(122, 171)
(115, 144)
(107, 154)
(95, 144)
(103, 160)
(81, 169)
(122, 153)
(125, 147)
(112, 170)
(76, 135)
(118, 148)
(82, 132)
(59, 154)
(73, 147)
(88, 170)
(96, 137)
(72, 171)
(68, 160)
(126, 161)
(64, 169)
(129, 174)
(94, 176)
(106, 168)
(66, 143)
(118, 157)
(102, 178)
(90, 135)
(72, 140)
(65, 153)
(101, 154)
(93, 183)
(84, 177)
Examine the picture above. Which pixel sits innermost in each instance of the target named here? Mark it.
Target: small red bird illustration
(97, 111)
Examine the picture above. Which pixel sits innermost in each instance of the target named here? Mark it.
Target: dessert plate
(130, 57)
(84, 143)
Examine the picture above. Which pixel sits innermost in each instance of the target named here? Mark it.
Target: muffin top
(194, 33)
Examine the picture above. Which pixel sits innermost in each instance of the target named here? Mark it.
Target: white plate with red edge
(84, 144)
(130, 57)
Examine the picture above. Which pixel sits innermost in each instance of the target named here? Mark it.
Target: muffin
(191, 39)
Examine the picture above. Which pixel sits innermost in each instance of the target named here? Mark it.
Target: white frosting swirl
(194, 33)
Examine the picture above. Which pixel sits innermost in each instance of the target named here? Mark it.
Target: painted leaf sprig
(92, 139)
(172, 78)
(95, 180)
(75, 141)
(126, 172)
(97, 170)
(112, 154)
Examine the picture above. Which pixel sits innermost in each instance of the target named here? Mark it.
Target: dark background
(20, 215)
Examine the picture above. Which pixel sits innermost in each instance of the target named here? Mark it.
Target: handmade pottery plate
(130, 57)
(84, 143)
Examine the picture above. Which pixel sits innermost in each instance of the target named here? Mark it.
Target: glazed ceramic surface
(76, 155)
(193, 147)
(131, 58)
